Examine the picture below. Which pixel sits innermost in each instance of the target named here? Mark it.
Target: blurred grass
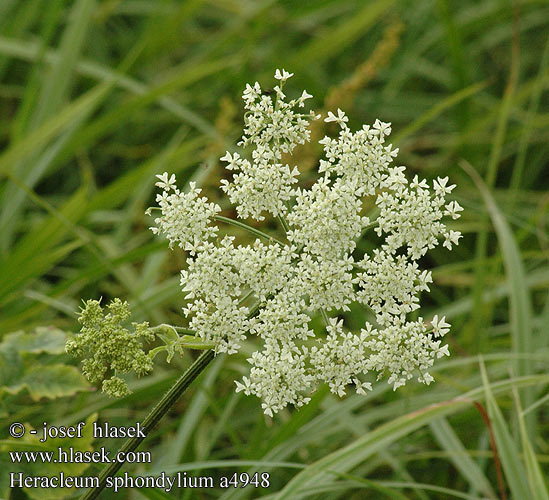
(97, 96)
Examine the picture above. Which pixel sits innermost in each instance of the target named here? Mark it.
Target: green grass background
(98, 96)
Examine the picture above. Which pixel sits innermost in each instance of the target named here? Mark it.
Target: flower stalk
(156, 414)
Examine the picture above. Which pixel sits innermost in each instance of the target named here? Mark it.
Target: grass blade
(34, 141)
(535, 475)
(357, 452)
(346, 33)
(519, 298)
(448, 439)
(506, 447)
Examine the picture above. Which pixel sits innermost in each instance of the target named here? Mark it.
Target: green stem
(325, 317)
(250, 229)
(177, 329)
(191, 342)
(368, 227)
(180, 329)
(162, 407)
(153, 418)
(284, 223)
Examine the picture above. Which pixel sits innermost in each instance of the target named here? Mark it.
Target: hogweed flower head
(112, 348)
(318, 270)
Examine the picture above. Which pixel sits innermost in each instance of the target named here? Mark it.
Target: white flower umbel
(185, 217)
(213, 274)
(341, 359)
(402, 350)
(411, 215)
(327, 282)
(262, 185)
(270, 290)
(362, 158)
(283, 318)
(272, 128)
(221, 321)
(326, 219)
(390, 285)
(266, 269)
(279, 376)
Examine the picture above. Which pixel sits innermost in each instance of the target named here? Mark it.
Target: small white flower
(390, 285)
(411, 215)
(341, 118)
(382, 128)
(440, 186)
(440, 327)
(166, 182)
(232, 160)
(452, 209)
(265, 183)
(451, 238)
(303, 98)
(283, 76)
(251, 93)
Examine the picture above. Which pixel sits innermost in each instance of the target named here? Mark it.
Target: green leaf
(154, 494)
(438, 109)
(11, 366)
(20, 369)
(50, 381)
(336, 40)
(34, 253)
(376, 486)
(538, 487)
(44, 339)
(29, 51)
(54, 381)
(57, 82)
(56, 86)
(58, 122)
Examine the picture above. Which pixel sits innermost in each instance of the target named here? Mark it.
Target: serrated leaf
(49, 381)
(54, 381)
(44, 339)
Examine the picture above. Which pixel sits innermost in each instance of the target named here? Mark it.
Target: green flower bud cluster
(111, 348)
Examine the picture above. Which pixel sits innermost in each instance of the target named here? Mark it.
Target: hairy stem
(163, 406)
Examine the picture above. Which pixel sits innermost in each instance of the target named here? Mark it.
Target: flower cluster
(265, 183)
(271, 290)
(185, 216)
(110, 346)
(411, 215)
